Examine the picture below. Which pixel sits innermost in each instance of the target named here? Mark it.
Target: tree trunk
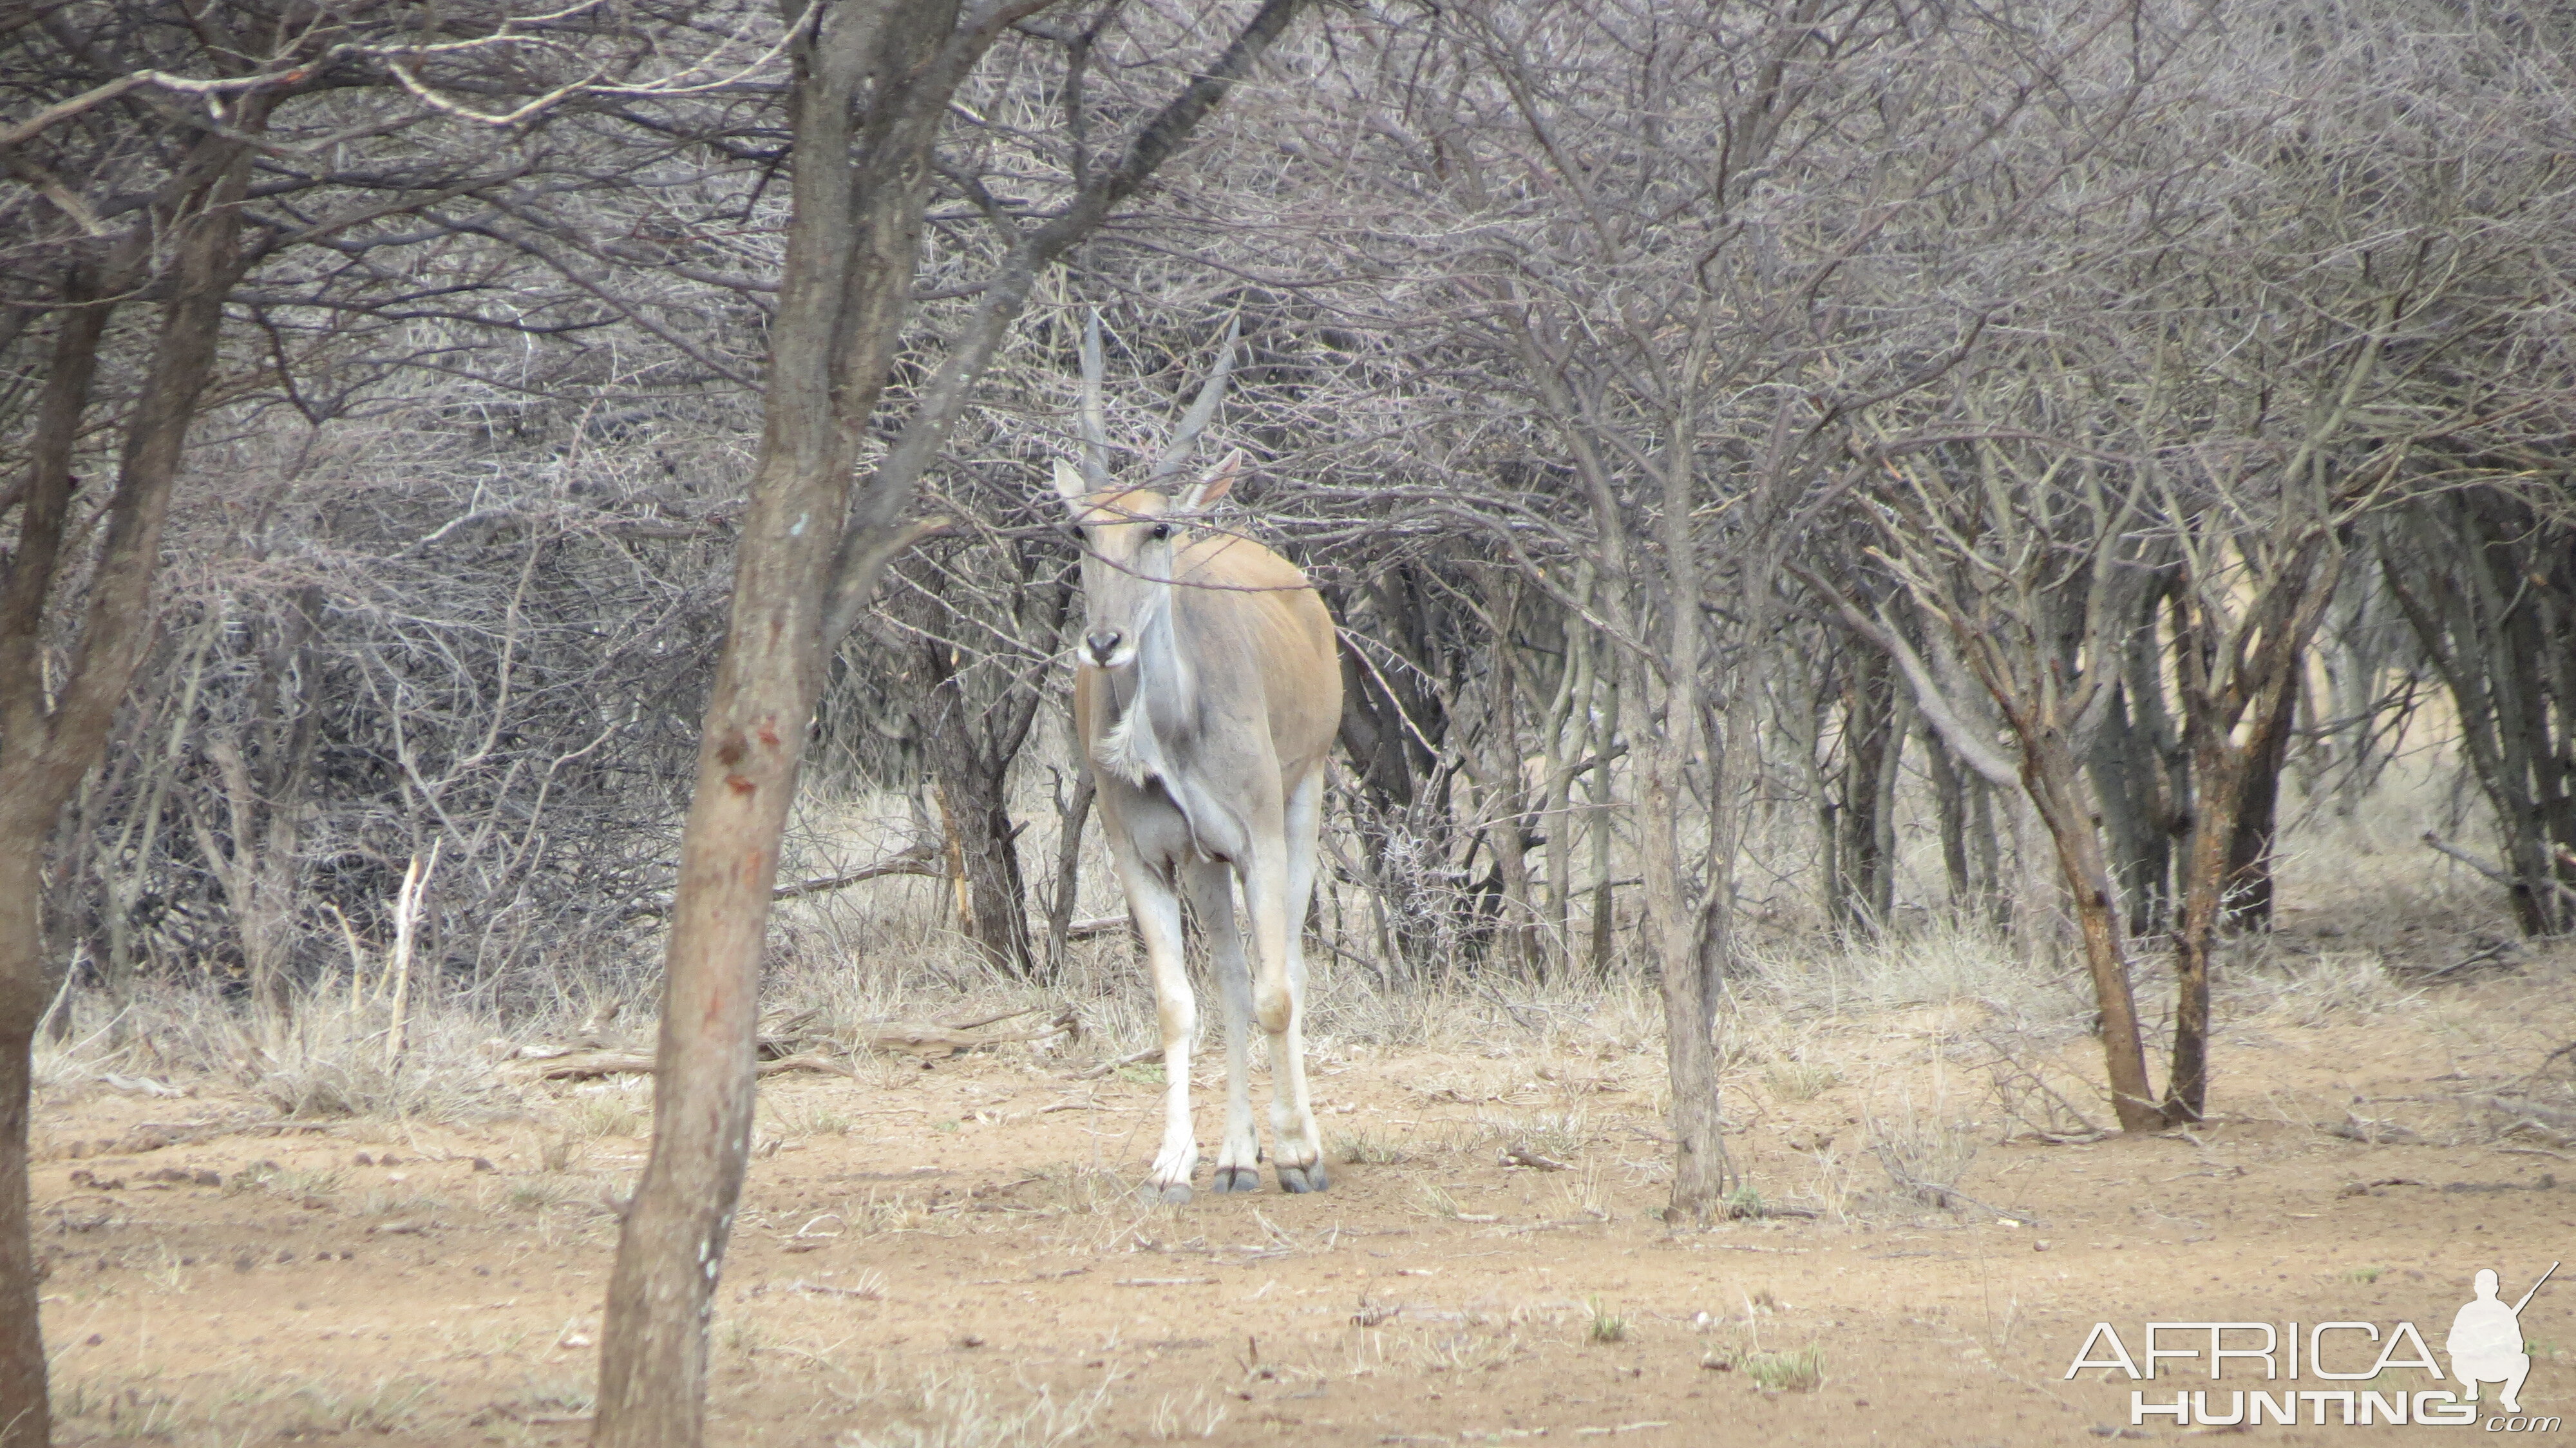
(2249, 851)
(2218, 778)
(1068, 869)
(26, 1415)
(1673, 926)
(2460, 570)
(984, 843)
(2226, 685)
(873, 81)
(1517, 919)
(853, 236)
(2125, 766)
(1602, 800)
(1950, 803)
(48, 744)
(2048, 771)
(1862, 886)
(1988, 844)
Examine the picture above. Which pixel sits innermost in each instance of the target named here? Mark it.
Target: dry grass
(957, 1411)
(1923, 1152)
(1804, 1030)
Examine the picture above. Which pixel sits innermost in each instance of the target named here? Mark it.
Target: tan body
(1207, 699)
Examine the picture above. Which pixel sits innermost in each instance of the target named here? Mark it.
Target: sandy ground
(948, 1253)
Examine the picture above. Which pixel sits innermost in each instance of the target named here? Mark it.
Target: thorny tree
(1654, 223)
(869, 106)
(145, 146)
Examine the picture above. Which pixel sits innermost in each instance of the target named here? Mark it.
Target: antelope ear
(1069, 483)
(1213, 484)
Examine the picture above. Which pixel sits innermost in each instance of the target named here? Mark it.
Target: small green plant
(950, 1125)
(1607, 1326)
(2363, 1274)
(1145, 1072)
(1744, 1204)
(1799, 1370)
(1436, 1201)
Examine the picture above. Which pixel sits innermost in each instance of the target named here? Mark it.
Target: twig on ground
(1105, 1067)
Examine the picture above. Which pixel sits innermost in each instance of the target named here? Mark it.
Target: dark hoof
(1302, 1179)
(1237, 1179)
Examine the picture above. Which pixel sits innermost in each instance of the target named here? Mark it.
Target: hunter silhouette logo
(2486, 1340)
(2359, 1368)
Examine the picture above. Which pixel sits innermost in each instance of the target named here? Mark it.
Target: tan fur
(1210, 766)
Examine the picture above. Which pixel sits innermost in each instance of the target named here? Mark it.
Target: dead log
(782, 1047)
(927, 1040)
(913, 859)
(589, 1065)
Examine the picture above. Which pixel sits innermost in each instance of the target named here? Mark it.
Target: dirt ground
(948, 1252)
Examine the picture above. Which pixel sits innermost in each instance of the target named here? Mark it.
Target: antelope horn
(1202, 409)
(1095, 425)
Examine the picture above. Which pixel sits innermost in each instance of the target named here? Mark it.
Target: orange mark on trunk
(739, 785)
(769, 734)
(731, 751)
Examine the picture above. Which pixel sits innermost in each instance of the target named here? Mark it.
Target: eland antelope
(1207, 696)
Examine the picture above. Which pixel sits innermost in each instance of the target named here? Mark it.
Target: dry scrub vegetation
(1958, 633)
(951, 1250)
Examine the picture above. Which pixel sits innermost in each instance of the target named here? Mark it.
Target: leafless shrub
(1923, 1151)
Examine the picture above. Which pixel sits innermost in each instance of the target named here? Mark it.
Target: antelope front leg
(1280, 1000)
(1238, 1154)
(1157, 912)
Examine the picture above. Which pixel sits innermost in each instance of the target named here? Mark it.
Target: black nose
(1103, 642)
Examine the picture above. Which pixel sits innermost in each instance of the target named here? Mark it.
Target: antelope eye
(1162, 530)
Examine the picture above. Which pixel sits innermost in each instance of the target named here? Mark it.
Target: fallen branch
(589, 1065)
(142, 1084)
(2490, 871)
(2553, 1124)
(2371, 1133)
(805, 1061)
(778, 1048)
(950, 1040)
(988, 1020)
(914, 859)
(1105, 1067)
